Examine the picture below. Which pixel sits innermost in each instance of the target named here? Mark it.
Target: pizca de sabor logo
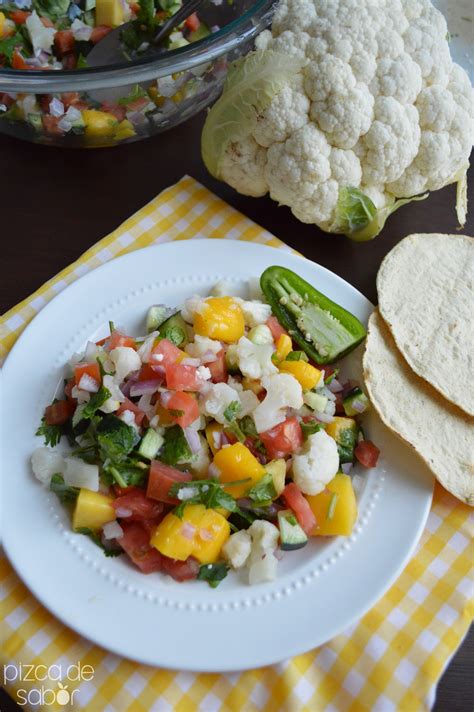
(43, 685)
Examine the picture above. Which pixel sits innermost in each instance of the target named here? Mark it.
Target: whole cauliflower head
(345, 107)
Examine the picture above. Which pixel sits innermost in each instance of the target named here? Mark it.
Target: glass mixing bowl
(121, 103)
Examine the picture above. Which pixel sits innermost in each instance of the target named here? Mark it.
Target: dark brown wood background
(57, 203)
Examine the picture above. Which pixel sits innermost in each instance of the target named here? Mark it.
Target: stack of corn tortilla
(418, 358)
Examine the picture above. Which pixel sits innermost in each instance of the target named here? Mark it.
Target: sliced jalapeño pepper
(323, 329)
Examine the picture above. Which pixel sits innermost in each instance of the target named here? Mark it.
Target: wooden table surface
(57, 203)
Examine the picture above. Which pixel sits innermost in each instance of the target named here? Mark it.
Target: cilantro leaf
(115, 438)
(64, 492)
(136, 93)
(146, 14)
(331, 376)
(209, 493)
(51, 8)
(346, 444)
(297, 356)
(8, 45)
(175, 449)
(311, 427)
(230, 413)
(96, 401)
(51, 433)
(264, 490)
(213, 573)
(93, 536)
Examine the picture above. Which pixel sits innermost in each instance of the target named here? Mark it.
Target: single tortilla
(439, 431)
(425, 288)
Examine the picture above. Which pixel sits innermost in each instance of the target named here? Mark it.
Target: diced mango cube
(220, 318)
(109, 12)
(338, 425)
(283, 347)
(99, 124)
(335, 508)
(92, 510)
(308, 376)
(235, 463)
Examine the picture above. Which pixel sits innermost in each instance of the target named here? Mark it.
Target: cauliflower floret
(126, 360)
(256, 312)
(248, 400)
(46, 463)
(201, 345)
(220, 396)
(191, 306)
(237, 549)
(287, 112)
(42, 37)
(317, 464)
(254, 360)
(283, 391)
(264, 534)
(243, 166)
(228, 288)
(80, 474)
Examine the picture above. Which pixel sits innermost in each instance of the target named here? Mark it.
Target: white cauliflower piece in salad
(125, 360)
(255, 312)
(254, 360)
(116, 396)
(220, 396)
(236, 549)
(317, 464)
(191, 306)
(80, 474)
(344, 100)
(42, 37)
(45, 463)
(248, 400)
(283, 391)
(202, 345)
(265, 535)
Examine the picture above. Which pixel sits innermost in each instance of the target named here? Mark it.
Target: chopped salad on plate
(219, 440)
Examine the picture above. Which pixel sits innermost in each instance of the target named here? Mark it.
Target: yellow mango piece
(307, 375)
(236, 462)
(99, 124)
(109, 12)
(124, 130)
(213, 436)
(335, 428)
(92, 510)
(335, 508)
(200, 533)
(2, 23)
(283, 347)
(220, 318)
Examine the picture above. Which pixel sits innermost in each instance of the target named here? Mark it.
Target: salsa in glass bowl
(49, 94)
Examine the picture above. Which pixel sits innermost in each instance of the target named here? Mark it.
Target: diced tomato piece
(46, 22)
(192, 23)
(19, 17)
(111, 108)
(339, 404)
(367, 453)
(296, 501)
(59, 413)
(181, 377)
(136, 543)
(138, 104)
(64, 42)
(17, 61)
(184, 408)
(99, 32)
(161, 478)
(69, 60)
(68, 390)
(117, 339)
(168, 351)
(147, 373)
(50, 125)
(276, 328)
(6, 100)
(135, 8)
(181, 570)
(139, 504)
(218, 368)
(283, 439)
(129, 405)
(89, 369)
(70, 98)
(120, 491)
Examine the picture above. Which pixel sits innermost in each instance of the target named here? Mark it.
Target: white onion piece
(191, 362)
(334, 386)
(89, 384)
(56, 107)
(193, 440)
(142, 388)
(123, 512)
(346, 467)
(80, 474)
(112, 530)
(145, 403)
(209, 357)
(165, 398)
(323, 418)
(146, 348)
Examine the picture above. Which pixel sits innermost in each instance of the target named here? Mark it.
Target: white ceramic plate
(321, 589)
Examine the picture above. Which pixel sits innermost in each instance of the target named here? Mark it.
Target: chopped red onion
(205, 535)
(123, 512)
(89, 384)
(112, 530)
(191, 362)
(188, 530)
(142, 388)
(193, 440)
(358, 406)
(213, 471)
(346, 467)
(146, 348)
(334, 386)
(56, 107)
(324, 418)
(165, 398)
(209, 357)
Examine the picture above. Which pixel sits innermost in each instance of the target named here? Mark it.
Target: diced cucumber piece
(356, 402)
(174, 329)
(150, 444)
(36, 121)
(231, 360)
(292, 535)
(315, 401)
(297, 356)
(277, 469)
(157, 314)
